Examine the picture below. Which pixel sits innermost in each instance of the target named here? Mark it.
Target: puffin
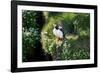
(58, 32)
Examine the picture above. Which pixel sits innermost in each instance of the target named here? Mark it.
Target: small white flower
(27, 33)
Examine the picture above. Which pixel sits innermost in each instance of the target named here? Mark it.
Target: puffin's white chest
(58, 33)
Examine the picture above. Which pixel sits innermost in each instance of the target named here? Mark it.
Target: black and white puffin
(58, 32)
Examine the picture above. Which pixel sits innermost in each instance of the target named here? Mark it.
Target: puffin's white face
(60, 27)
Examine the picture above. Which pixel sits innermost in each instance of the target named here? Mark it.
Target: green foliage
(38, 27)
(30, 33)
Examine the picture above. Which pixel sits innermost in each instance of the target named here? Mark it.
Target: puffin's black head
(56, 27)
